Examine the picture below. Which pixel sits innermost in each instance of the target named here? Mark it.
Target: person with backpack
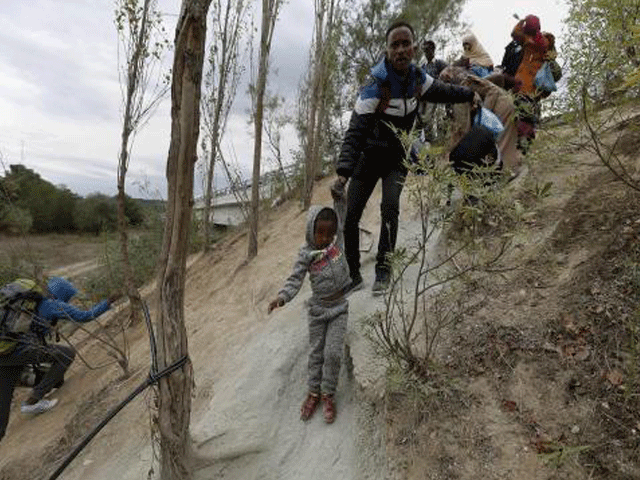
(524, 56)
(496, 99)
(27, 318)
(386, 106)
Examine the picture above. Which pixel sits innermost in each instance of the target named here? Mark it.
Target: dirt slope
(250, 380)
(542, 381)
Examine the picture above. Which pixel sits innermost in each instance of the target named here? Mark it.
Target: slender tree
(220, 82)
(140, 31)
(174, 391)
(324, 47)
(275, 120)
(270, 11)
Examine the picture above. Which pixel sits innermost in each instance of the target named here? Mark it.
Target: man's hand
(337, 189)
(278, 302)
(476, 105)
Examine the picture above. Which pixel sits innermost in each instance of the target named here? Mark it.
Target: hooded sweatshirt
(328, 268)
(50, 310)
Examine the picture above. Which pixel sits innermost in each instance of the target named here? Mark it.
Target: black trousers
(360, 189)
(12, 364)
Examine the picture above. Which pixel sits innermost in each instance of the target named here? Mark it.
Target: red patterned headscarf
(532, 28)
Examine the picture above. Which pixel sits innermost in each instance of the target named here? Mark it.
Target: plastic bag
(489, 120)
(544, 79)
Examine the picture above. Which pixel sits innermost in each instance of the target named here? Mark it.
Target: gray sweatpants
(327, 326)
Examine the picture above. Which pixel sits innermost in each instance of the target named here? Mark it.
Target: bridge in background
(230, 203)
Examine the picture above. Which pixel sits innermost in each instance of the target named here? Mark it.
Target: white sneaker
(39, 407)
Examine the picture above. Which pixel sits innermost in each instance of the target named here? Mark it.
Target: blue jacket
(389, 102)
(50, 310)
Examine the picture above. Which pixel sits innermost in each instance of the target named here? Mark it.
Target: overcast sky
(60, 98)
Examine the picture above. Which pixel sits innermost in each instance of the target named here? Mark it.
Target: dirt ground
(50, 251)
(540, 380)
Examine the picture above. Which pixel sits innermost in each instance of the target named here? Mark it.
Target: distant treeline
(28, 203)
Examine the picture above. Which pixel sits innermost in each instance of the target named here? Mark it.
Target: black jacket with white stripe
(386, 106)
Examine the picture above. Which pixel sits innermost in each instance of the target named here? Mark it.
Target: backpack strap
(385, 91)
(385, 96)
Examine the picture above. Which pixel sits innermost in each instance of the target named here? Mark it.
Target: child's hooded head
(325, 227)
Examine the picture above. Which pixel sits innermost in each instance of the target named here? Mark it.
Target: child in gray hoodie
(322, 255)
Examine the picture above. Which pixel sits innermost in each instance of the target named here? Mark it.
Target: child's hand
(278, 302)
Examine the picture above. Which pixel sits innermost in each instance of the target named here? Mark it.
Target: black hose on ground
(154, 377)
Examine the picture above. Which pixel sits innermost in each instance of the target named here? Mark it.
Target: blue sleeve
(56, 310)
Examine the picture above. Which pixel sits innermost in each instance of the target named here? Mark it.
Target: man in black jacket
(371, 149)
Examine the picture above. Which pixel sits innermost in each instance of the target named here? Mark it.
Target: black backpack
(18, 303)
(476, 148)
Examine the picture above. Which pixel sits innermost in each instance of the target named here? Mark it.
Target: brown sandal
(309, 406)
(328, 408)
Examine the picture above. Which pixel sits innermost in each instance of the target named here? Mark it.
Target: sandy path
(251, 429)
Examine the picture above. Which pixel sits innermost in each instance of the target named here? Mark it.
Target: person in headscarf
(537, 47)
(479, 61)
(496, 99)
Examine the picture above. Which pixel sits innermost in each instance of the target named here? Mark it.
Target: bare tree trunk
(214, 135)
(208, 190)
(237, 189)
(318, 106)
(174, 398)
(135, 64)
(269, 16)
(221, 81)
(310, 150)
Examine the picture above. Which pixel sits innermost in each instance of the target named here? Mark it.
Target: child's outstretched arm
(292, 284)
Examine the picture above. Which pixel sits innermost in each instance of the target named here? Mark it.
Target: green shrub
(15, 220)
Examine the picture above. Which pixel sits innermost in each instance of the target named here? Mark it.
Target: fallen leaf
(568, 322)
(615, 377)
(575, 350)
(509, 405)
(582, 354)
